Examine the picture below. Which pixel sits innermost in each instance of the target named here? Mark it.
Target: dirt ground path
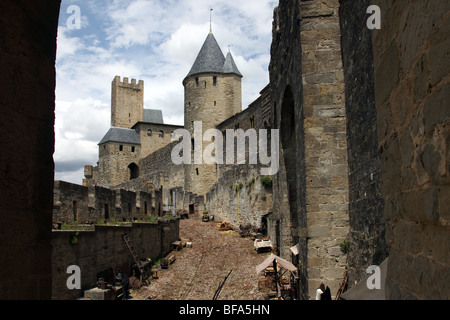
(198, 271)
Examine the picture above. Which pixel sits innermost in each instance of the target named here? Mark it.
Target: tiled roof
(153, 116)
(121, 135)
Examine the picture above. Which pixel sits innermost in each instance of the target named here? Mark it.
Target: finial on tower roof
(210, 19)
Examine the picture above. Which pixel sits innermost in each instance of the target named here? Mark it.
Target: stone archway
(289, 147)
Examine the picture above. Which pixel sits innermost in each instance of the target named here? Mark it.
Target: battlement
(127, 102)
(125, 83)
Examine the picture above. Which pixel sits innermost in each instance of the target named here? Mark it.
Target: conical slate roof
(211, 59)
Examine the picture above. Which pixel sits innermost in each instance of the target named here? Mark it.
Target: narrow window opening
(214, 81)
(106, 211)
(196, 170)
(196, 82)
(121, 148)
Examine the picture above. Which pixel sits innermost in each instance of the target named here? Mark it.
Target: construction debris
(224, 226)
(263, 244)
(166, 262)
(246, 230)
(205, 217)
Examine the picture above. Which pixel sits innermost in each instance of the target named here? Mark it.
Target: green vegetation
(239, 186)
(250, 182)
(345, 247)
(266, 181)
(73, 238)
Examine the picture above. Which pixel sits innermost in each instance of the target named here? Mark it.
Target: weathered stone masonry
(88, 205)
(396, 119)
(311, 189)
(27, 86)
(412, 94)
(103, 248)
(366, 204)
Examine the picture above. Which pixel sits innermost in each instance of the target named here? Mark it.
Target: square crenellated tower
(127, 102)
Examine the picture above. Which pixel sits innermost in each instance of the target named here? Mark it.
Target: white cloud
(79, 126)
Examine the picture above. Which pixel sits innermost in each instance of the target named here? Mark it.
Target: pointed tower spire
(210, 19)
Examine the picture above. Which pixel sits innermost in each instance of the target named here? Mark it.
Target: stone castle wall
(240, 197)
(158, 167)
(103, 248)
(311, 189)
(392, 137)
(412, 86)
(366, 204)
(88, 205)
(154, 136)
(27, 63)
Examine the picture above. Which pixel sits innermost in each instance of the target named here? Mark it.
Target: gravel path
(198, 271)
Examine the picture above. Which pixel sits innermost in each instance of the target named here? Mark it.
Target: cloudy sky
(152, 40)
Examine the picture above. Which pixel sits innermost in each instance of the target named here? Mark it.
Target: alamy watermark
(374, 21)
(74, 281)
(74, 21)
(214, 152)
(374, 281)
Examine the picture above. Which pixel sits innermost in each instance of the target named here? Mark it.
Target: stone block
(99, 294)
(315, 262)
(387, 73)
(444, 202)
(319, 231)
(439, 54)
(436, 109)
(318, 78)
(421, 206)
(335, 252)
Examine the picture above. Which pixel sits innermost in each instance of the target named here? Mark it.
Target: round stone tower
(212, 94)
